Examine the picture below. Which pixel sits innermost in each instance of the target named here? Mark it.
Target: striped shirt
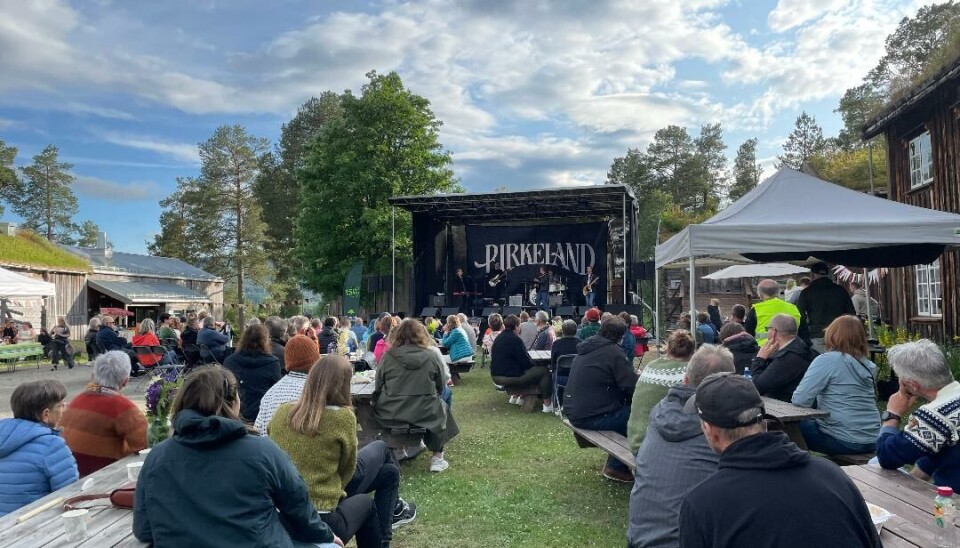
(287, 389)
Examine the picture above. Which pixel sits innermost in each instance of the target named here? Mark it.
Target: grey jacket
(673, 458)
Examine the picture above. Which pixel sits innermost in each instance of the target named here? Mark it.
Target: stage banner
(566, 249)
(351, 290)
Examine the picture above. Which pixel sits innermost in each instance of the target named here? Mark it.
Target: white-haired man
(929, 440)
(102, 426)
(674, 455)
(763, 477)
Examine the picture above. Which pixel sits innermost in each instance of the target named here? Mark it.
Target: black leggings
(355, 516)
(379, 473)
(58, 349)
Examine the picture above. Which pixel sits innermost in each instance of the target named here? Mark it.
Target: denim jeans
(615, 421)
(590, 298)
(828, 445)
(543, 300)
(447, 396)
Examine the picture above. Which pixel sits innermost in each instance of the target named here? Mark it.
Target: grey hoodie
(673, 458)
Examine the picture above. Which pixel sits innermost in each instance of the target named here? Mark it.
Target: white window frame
(929, 290)
(921, 160)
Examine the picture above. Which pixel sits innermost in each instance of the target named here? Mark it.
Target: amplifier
(438, 301)
(516, 300)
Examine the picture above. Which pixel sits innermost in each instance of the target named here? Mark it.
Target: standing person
(705, 330)
(60, 342)
(545, 333)
(743, 504)
(408, 389)
(859, 300)
(102, 426)
(89, 340)
(792, 292)
(841, 382)
(256, 369)
(674, 456)
(34, 459)
(462, 287)
(359, 331)
(769, 306)
(600, 388)
(318, 431)
(738, 314)
(589, 279)
(638, 331)
(544, 279)
(510, 365)
(213, 484)
(497, 281)
(819, 304)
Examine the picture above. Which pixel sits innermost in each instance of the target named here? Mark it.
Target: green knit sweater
(657, 377)
(327, 460)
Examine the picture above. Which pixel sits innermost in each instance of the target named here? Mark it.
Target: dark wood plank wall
(940, 115)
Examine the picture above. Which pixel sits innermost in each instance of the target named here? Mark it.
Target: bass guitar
(589, 287)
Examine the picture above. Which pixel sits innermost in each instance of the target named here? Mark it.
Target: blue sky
(532, 94)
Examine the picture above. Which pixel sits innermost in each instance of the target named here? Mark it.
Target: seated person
(108, 338)
(26, 332)
(590, 325)
(214, 484)
(256, 369)
(409, 386)
(166, 330)
(101, 426)
(741, 344)
(654, 381)
(782, 361)
(318, 431)
(146, 336)
(841, 382)
(89, 340)
(545, 333)
(600, 387)
(34, 460)
(43, 337)
(674, 455)
(511, 366)
(639, 333)
(10, 335)
(386, 326)
(629, 342)
(213, 340)
(567, 344)
(927, 440)
(707, 333)
(455, 338)
(328, 334)
(300, 355)
(495, 327)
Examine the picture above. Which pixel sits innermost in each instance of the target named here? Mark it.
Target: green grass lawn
(31, 249)
(515, 479)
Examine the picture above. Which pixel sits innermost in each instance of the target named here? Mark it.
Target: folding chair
(207, 355)
(154, 369)
(191, 355)
(560, 375)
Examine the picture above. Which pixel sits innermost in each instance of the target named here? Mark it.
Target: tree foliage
(746, 170)
(9, 182)
(46, 203)
(87, 234)
(804, 141)
(385, 144)
(851, 168)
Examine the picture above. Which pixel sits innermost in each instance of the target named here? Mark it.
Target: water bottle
(945, 534)
(746, 373)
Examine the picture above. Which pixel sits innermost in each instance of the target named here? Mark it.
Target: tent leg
(393, 263)
(656, 295)
(693, 293)
(866, 286)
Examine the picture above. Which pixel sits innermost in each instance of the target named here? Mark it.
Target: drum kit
(558, 288)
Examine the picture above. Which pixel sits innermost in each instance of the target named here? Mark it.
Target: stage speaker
(438, 301)
(565, 311)
(429, 311)
(373, 284)
(632, 309)
(490, 310)
(556, 300)
(516, 300)
(515, 310)
(644, 270)
(449, 311)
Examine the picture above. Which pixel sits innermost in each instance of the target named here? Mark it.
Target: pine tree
(804, 141)
(47, 205)
(746, 171)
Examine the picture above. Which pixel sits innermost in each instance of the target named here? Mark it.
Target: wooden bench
(530, 395)
(612, 443)
(11, 354)
(458, 368)
(851, 460)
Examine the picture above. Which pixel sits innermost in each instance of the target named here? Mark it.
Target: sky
(532, 93)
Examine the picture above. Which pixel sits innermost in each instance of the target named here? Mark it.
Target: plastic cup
(133, 470)
(75, 525)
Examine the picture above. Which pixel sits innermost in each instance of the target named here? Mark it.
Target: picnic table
(790, 416)
(399, 439)
(908, 498)
(540, 357)
(11, 354)
(107, 526)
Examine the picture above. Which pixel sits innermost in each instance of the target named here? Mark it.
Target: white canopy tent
(16, 286)
(793, 216)
(764, 270)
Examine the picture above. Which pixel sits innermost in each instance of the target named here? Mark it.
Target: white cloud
(114, 191)
(792, 13)
(182, 152)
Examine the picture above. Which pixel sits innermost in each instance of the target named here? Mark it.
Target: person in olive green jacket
(655, 380)
(409, 383)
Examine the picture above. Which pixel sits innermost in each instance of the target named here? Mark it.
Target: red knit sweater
(101, 428)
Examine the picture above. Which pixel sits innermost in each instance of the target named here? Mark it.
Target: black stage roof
(561, 203)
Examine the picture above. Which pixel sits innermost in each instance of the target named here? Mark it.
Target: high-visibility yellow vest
(766, 310)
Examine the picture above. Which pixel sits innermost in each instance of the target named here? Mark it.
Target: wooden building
(922, 131)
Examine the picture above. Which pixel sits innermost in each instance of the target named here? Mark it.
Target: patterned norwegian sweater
(931, 439)
(657, 377)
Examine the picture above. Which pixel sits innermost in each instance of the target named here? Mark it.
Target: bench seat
(851, 460)
(12, 354)
(610, 442)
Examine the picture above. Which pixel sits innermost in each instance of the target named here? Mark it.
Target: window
(921, 161)
(928, 289)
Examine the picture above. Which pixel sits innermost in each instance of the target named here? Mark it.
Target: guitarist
(588, 281)
(497, 279)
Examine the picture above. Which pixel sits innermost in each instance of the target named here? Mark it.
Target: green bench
(12, 354)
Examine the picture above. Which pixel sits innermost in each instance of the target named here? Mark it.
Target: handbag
(121, 497)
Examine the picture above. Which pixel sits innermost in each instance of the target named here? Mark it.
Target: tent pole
(866, 286)
(693, 293)
(393, 265)
(626, 267)
(656, 296)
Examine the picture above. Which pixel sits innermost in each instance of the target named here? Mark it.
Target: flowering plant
(160, 395)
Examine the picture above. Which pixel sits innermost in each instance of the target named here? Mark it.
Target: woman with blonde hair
(409, 386)
(386, 324)
(842, 382)
(215, 484)
(319, 432)
(60, 341)
(455, 338)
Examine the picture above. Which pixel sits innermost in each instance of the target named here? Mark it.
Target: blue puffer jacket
(456, 341)
(34, 462)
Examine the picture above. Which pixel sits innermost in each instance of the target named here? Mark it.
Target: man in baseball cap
(767, 491)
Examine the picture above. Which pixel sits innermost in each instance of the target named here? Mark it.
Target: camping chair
(154, 369)
(191, 355)
(560, 375)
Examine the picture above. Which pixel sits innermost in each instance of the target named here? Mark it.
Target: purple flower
(153, 397)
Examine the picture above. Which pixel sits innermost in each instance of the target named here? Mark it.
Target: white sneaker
(519, 400)
(548, 409)
(438, 464)
(513, 399)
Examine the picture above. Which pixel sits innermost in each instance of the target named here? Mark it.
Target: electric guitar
(589, 287)
(498, 278)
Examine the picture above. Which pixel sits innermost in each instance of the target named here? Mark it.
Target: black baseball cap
(722, 397)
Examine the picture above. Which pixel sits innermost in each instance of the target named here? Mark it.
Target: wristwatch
(888, 416)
